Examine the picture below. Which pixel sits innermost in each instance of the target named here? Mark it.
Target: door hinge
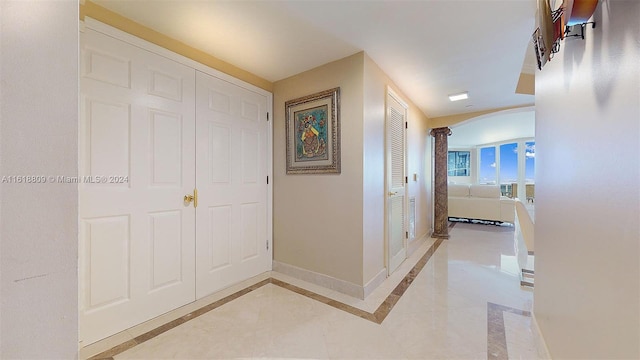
(267, 116)
(406, 234)
(406, 179)
(267, 244)
(267, 180)
(406, 124)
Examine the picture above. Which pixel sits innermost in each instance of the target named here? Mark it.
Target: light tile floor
(442, 315)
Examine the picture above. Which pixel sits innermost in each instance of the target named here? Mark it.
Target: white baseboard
(416, 243)
(541, 345)
(323, 280)
(375, 282)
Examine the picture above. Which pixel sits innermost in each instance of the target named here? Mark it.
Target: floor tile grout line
(109, 354)
(377, 316)
(387, 305)
(382, 311)
(496, 330)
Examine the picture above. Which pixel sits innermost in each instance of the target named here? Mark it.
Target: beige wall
(351, 246)
(587, 297)
(317, 219)
(374, 193)
(39, 136)
(419, 158)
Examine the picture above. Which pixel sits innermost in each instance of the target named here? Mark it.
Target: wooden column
(441, 202)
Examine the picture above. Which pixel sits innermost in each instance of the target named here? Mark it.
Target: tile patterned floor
(462, 300)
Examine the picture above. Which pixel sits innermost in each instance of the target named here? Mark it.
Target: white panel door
(137, 237)
(396, 190)
(231, 158)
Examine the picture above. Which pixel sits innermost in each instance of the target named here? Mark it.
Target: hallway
(464, 303)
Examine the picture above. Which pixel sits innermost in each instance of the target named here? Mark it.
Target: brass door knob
(392, 193)
(189, 198)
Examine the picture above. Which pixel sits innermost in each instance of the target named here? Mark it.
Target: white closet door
(137, 129)
(396, 200)
(231, 158)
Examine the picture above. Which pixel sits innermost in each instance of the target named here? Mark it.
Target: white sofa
(481, 202)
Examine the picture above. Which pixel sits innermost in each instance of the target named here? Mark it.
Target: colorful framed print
(313, 133)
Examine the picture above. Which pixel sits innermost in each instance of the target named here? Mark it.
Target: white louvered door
(396, 182)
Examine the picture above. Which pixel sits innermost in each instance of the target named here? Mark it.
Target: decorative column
(441, 201)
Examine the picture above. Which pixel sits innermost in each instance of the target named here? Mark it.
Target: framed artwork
(459, 163)
(313, 133)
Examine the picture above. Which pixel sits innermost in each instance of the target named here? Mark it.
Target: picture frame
(313, 133)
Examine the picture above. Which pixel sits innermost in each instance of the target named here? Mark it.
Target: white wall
(419, 162)
(38, 232)
(587, 294)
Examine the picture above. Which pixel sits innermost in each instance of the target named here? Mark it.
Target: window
(530, 162)
(508, 168)
(459, 163)
(487, 165)
(508, 163)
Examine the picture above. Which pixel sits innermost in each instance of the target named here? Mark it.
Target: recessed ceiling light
(460, 96)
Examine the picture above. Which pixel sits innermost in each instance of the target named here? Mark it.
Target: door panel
(165, 245)
(219, 237)
(231, 217)
(109, 126)
(249, 226)
(137, 237)
(396, 191)
(108, 240)
(166, 148)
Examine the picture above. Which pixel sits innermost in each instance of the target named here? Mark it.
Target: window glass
(508, 163)
(530, 162)
(487, 165)
(508, 168)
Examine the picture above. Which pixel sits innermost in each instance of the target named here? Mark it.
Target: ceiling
(495, 127)
(429, 48)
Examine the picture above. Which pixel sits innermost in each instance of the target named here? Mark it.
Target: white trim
(270, 177)
(375, 282)
(405, 240)
(323, 280)
(417, 243)
(108, 30)
(397, 98)
(502, 142)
